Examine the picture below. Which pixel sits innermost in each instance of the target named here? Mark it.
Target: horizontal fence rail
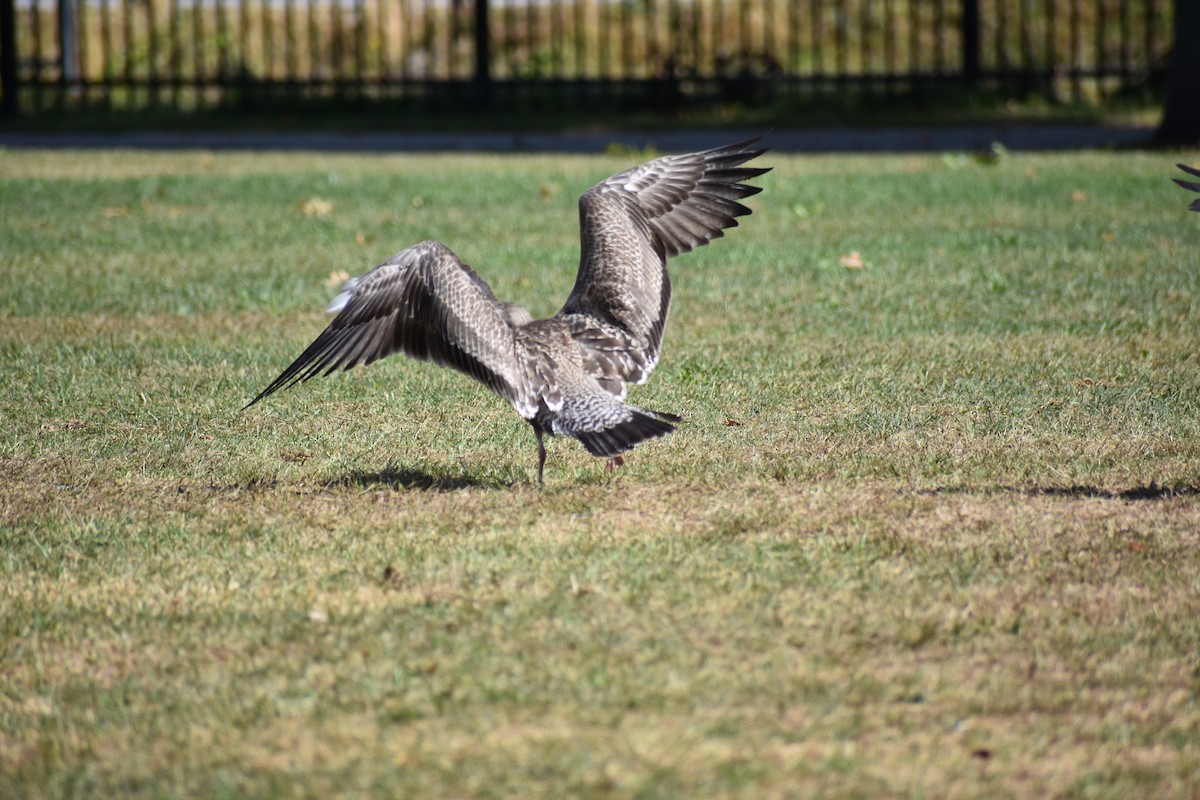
(189, 54)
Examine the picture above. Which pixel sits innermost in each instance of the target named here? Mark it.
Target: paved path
(903, 140)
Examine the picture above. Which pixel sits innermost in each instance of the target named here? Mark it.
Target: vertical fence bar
(336, 51)
(970, 42)
(360, 44)
(914, 41)
(314, 48)
(82, 51)
(1027, 65)
(556, 53)
(939, 39)
(67, 52)
(197, 56)
(889, 45)
(405, 38)
(175, 55)
(1126, 36)
(841, 22)
(864, 37)
(127, 39)
(794, 57)
(581, 53)
(39, 58)
(381, 54)
(1148, 55)
(1075, 45)
(291, 54)
(8, 57)
(1001, 39)
(483, 54)
(153, 96)
(222, 25)
(104, 10)
(1051, 54)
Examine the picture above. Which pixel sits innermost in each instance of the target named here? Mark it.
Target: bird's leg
(614, 462)
(541, 453)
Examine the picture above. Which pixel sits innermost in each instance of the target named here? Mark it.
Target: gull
(566, 375)
(1195, 187)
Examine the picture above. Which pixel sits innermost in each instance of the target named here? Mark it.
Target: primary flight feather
(1190, 185)
(566, 375)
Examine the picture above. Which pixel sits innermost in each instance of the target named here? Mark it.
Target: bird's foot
(614, 462)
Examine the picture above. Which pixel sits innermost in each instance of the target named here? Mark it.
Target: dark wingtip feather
(1190, 185)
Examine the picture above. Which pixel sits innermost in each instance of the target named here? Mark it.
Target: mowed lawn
(930, 527)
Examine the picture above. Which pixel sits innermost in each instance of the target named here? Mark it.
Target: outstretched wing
(425, 302)
(1190, 185)
(630, 225)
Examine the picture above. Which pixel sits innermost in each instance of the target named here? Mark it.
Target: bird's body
(566, 375)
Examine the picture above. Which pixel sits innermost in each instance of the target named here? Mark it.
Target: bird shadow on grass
(398, 477)
(1149, 492)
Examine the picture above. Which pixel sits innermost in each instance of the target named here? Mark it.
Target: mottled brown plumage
(566, 375)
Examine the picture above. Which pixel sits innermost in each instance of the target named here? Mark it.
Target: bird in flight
(566, 375)
(1191, 185)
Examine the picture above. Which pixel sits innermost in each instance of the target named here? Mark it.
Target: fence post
(483, 53)
(8, 58)
(970, 42)
(68, 38)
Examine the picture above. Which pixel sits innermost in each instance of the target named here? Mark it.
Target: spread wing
(1190, 185)
(422, 301)
(630, 225)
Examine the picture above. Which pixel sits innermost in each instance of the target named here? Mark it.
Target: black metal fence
(196, 53)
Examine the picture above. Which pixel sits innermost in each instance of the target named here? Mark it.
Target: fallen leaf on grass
(316, 207)
(852, 260)
(337, 278)
(116, 211)
(1109, 237)
(1078, 196)
(732, 423)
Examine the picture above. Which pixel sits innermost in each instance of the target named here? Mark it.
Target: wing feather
(1190, 185)
(630, 224)
(425, 302)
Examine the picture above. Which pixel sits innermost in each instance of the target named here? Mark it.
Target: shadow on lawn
(395, 477)
(1137, 493)
(1151, 492)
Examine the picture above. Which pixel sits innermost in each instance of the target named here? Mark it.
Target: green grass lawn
(930, 528)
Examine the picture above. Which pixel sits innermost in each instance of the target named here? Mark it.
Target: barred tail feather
(624, 435)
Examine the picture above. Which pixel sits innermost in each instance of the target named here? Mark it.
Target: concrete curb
(897, 140)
